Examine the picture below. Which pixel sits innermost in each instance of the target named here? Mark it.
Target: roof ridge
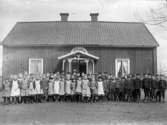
(80, 22)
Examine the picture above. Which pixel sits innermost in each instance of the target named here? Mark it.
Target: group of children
(76, 87)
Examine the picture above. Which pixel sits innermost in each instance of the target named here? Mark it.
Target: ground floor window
(122, 67)
(35, 66)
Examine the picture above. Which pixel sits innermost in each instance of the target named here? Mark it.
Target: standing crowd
(86, 88)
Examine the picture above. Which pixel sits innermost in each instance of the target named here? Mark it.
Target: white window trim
(30, 59)
(122, 59)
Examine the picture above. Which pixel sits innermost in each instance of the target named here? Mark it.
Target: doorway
(79, 66)
(82, 67)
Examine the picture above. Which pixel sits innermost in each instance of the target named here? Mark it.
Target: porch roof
(78, 52)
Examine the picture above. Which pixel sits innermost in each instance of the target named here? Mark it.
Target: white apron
(100, 90)
(37, 87)
(68, 87)
(61, 92)
(50, 90)
(15, 91)
(56, 87)
(31, 90)
(85, 88)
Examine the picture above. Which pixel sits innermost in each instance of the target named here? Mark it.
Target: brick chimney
(64, 16)
(94, 17)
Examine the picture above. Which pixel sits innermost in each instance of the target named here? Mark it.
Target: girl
(31, 90)
(93, 89)
(56, 88)
(6, 91)
(100, 89)
(68, 87)
(15, 91)
(37, 89)
(50, 89)
(79, 89)
(73, 84)
(85, 89)
(61, 90)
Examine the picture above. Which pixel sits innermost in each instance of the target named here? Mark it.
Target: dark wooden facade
(142, 60)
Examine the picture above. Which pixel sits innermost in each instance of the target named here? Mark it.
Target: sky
(12, 11)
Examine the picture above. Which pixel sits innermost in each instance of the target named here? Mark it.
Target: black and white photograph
(91, 62)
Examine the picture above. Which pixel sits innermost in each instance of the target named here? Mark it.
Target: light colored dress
(100, 89)
(37, 87)
(85, 88)
(56, 86)
(62, 91)
(24, 87)
(68, 87)
(51, 90)
(31, 89)
(15, 91)
(79, 86)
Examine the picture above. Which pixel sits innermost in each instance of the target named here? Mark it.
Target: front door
(79, 66)
(82, 67)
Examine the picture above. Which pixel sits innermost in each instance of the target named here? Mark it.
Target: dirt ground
(72, 113)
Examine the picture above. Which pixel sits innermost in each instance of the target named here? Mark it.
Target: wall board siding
(142, 60)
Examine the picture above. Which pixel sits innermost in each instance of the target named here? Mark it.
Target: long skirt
(100, 89)
(24, 92)
(31, 91)
(56, 87)
(86, 92)
(15, 92)
(6, 92)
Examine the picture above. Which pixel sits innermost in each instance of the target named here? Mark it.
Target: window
(122, 67)
(35, 66)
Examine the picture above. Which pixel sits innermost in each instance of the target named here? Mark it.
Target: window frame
(121, 59)
(29, 64)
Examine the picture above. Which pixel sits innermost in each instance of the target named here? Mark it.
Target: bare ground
(72, 113)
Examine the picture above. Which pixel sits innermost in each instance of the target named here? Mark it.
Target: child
(85, 89)
(50, 89)
(68, 87)
(15, 90)
(100, 89)
(61, 90)
(79, 89)
(56, 88)
(73, 84)
(6, 91)
(44, 87)
(93, 88)
(24, 87)
(37, 89)
(31, 90)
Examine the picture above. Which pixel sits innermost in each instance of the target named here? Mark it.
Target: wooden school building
(85, 46)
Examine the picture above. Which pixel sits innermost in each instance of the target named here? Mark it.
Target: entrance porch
(80, 60)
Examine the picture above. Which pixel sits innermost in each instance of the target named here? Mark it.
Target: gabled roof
(58, 33)
(78, 52)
